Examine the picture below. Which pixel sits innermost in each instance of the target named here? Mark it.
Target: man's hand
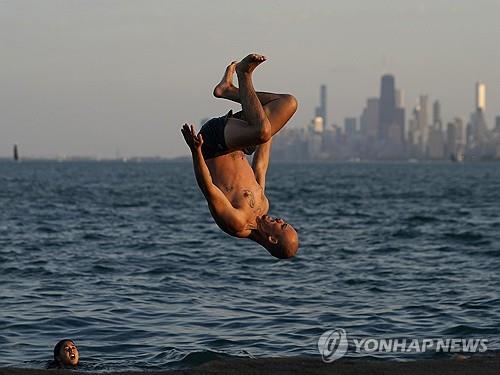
(193, 141)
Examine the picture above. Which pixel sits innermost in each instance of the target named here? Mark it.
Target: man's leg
(249, 127)
(278, 113)
(226, 90)
(279, 108)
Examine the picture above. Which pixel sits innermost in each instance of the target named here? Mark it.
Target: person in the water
(233, 189)
(65, 354)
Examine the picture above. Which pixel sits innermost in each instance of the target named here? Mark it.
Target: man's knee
(291, 102)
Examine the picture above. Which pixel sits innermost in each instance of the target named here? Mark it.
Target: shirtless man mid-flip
(233, 189)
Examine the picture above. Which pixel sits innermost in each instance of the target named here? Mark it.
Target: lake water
(125, 259)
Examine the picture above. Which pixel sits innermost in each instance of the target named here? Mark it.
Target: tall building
(436, 115)
(387, 105)
(323, 103)
(328, 141)
(497, 124)
(400, 121)
(315, 138)
(460, 125)
(350, 127)
(423, 120)
(369, 119)
(435, 146)
(480, 96)
(455, 140)
(417, 132)
(318, 125)
(413, 133)
(400, 98)
(478, 135)
(321, 110)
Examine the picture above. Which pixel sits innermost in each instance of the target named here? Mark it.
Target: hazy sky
(96, 77)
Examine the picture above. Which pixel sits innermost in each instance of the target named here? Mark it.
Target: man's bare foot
(226, 83)
(249, 63)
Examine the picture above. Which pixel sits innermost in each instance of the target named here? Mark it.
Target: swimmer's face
(68, 354)
(272, 226)
(281, 237)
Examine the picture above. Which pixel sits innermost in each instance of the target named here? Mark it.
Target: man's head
(277, 236)
(66, 353)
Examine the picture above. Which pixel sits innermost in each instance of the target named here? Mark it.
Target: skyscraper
(323, 103)
(350, 126)
(315, 138)
(387, 105)
(400, 98)
(318, 125)
(435, 145)
(423, 120)
(413, 132)
(399, 117)
(436, 115)
(399, 120)
(478, 134)
(455, 140)
(369, 119)
(480, 96)
(478, 129)
(321, 110)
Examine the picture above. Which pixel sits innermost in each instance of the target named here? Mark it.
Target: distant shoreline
(484, 365)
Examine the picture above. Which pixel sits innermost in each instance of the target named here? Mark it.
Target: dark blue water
(125, 259)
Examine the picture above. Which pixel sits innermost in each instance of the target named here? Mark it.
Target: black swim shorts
(212, 132)
(214, 143)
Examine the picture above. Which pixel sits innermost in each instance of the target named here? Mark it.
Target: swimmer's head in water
(277, 236)
(66, 353)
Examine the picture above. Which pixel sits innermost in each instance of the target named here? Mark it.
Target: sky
(107, 78)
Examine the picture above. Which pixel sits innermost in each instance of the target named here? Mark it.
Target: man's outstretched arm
(222, 210)
(260, 162)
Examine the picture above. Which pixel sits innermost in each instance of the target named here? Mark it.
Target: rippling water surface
(126, 260)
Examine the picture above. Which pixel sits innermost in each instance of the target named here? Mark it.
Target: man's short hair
(283, 250)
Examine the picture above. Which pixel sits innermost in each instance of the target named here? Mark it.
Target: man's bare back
(233, 188)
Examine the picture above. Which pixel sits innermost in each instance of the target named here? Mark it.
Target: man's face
(277, 228)
(281, 239)
(68, 354)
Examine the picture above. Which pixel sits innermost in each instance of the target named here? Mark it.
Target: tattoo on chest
(228, 189)
(251, 198)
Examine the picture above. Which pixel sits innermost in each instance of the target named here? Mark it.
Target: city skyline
(121, 77)
(397, 101)
(390, 108)
(385, 132)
